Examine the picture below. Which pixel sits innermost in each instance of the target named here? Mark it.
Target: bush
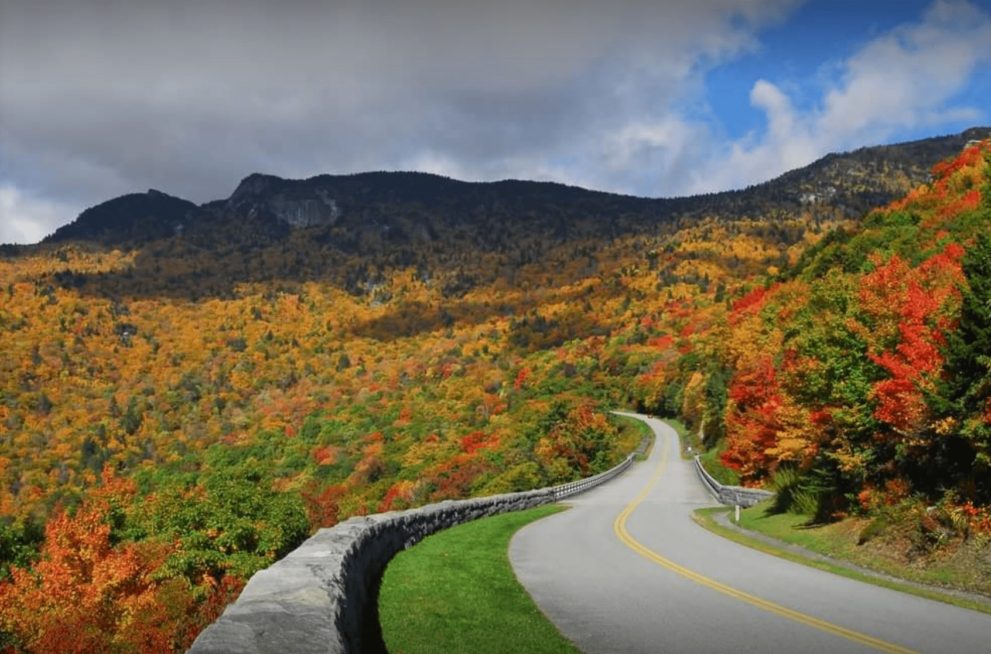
(792, 493)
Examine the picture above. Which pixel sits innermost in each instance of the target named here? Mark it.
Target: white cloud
(25, 218)
(906, 77)
(903, 79)
(663, 155)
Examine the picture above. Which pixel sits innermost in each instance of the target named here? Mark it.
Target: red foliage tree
(914, 300)
(752, 425)
(86, 595)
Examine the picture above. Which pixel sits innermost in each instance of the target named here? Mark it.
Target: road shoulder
(717, 521)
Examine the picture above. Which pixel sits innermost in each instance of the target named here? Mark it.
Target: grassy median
(456, 592)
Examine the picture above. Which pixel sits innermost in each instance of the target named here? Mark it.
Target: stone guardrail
(731, 495)
(574, 487)
(323, 596)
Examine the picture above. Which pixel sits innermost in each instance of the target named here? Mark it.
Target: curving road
(627, 570)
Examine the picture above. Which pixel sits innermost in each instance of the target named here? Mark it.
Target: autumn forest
(183, 401)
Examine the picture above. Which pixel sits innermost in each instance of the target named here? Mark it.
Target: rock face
(294, 203)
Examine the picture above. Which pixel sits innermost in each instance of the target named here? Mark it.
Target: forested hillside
(858, 381)
(187, 392)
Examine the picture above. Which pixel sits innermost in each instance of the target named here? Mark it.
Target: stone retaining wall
(323, 596)
(731, 495)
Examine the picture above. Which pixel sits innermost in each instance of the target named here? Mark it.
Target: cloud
(27, 219)
(103, 98)
(907, 78)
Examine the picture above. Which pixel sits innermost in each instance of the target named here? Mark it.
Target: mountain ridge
(836, 185)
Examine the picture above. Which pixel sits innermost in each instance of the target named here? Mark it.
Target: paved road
(627, 570)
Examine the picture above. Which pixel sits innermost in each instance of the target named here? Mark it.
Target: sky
(647, 97)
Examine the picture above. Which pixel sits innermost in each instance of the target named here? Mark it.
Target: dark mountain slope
(396, 208)
(134, 217)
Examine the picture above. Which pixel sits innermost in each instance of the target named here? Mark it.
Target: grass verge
(713, 463)
(690, 443)
(456, 592)
(632, 432)
(815, 549)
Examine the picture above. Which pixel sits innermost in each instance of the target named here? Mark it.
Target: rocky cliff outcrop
(296, 204)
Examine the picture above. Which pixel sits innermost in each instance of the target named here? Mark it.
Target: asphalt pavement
(626, 569)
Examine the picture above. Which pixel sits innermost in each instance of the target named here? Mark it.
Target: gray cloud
(103, 98)
(100, 98)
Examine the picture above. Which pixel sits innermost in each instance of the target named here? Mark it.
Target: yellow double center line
(619, 526)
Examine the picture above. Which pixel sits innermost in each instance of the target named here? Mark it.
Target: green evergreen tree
(966, 389)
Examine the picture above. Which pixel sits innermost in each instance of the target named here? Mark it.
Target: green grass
(713, 464)
(456, 592)
(632, 432)
(687, 437)
(791, 529)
